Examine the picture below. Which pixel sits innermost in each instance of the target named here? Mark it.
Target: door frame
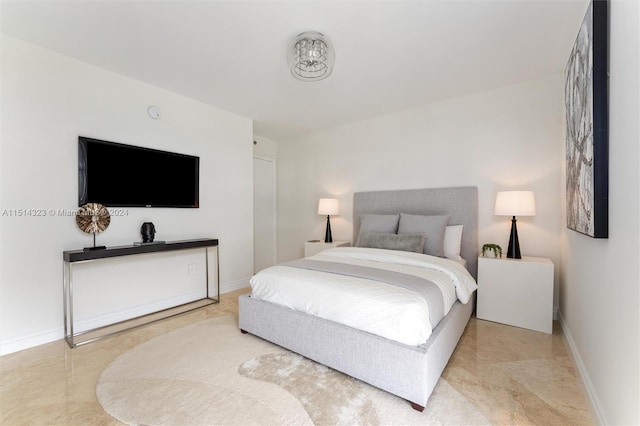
(275, 207)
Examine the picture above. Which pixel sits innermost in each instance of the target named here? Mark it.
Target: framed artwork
(586, 95)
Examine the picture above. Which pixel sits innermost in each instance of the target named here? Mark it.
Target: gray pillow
(384, 223)
(433, 226)
(405, 242)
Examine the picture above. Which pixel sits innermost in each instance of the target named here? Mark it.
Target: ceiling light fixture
(311, 56)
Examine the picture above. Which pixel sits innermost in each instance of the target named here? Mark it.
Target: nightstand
(517, 292)
(316, 246)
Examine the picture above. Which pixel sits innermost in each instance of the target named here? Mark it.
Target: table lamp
(515, 203)
(328, 207)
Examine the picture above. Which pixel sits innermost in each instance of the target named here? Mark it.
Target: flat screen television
(118, 175)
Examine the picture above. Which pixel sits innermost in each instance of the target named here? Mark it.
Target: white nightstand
(516, 292)
(316, 246)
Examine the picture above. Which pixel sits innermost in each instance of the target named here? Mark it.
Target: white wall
(501, 139)
(265, 147)
(48, 100)
(599, 287)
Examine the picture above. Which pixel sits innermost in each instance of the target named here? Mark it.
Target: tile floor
(513, 376)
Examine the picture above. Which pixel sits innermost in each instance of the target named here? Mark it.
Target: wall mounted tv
(119, 175)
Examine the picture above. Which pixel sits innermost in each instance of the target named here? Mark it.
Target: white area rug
(209, 373)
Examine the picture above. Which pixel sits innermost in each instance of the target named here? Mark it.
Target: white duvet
(383, 309)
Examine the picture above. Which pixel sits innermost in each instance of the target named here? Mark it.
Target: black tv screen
(119, 175)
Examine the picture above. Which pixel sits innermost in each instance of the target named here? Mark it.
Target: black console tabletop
(80, 255)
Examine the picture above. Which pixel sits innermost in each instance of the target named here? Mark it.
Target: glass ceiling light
(311, 56)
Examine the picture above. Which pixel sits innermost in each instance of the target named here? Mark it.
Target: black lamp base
(327, 234)
(513, 251)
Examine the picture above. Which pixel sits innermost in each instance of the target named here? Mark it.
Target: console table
(75, 256)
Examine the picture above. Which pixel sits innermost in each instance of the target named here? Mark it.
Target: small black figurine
(148, 232)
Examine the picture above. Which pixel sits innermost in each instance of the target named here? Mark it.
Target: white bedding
(383, 309)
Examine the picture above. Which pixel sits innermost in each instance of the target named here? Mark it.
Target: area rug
(208, 373)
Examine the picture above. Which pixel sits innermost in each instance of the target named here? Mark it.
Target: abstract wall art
(586, 95)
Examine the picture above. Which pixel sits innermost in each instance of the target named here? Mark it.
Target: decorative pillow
(405, 242)
(384, 223)
(433, 226)
(452, 241)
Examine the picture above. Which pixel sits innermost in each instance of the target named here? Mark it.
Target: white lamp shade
(515, 203)
(328, 207)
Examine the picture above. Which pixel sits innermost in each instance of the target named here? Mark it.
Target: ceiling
(390, 55)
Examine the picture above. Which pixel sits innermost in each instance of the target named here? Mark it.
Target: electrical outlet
(192, 269)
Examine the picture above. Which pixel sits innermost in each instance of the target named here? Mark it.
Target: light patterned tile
(513, 376)
(518, 376)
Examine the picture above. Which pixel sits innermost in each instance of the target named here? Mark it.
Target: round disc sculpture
(93, 218)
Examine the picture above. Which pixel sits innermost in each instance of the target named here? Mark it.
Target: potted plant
(490, 247)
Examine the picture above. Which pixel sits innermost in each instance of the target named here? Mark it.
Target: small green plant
(496, 249)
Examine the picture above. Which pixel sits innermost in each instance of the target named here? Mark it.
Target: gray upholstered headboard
(461, 203)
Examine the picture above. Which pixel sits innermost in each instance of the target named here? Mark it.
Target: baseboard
(41, 337)
(587, 385)
(134, 312)
(30, 340)
(236, 285)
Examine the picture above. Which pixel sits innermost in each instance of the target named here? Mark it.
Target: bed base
(406, 371)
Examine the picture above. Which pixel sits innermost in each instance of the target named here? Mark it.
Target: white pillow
(452, 241)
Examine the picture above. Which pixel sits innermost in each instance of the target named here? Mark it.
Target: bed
(409, 371)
